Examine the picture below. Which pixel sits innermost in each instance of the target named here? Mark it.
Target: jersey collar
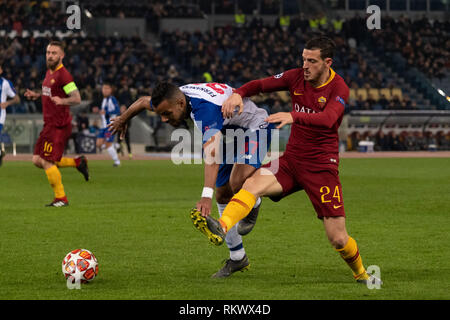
(329, 79)
(57, 68)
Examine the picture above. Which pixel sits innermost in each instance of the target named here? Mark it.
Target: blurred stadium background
(399, 75)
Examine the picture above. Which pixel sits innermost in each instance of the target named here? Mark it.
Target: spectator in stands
(360, 80)
(82, 121)
(239, 19)
(445, 143)
(276, 107)
(421, 141)
(441, 140)
(173, 74)
(410, 141)
(396, 103)
(382, 142)
(370, 102)
(431, 141)
(398, 142)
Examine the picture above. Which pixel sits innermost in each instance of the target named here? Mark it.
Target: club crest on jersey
(278, 76)
(322, 100)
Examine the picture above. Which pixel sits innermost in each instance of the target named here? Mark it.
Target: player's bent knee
(263, 183)
(336, 231)
(37, 161)
(223, 194)
(236, 185)
(338, 241)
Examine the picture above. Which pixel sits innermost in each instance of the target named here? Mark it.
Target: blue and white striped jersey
(111, 108)
(206, 102)
(6, 91)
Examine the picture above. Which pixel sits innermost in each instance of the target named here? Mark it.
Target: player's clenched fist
(283, 118)
(233, 101)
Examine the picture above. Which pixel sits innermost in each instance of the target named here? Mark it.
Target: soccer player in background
(59, 92)
(6, 91)
(311, 159)
(202, 102)
(109, 110)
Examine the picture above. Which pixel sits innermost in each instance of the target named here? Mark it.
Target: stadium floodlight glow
(88, 14)
(442, 93)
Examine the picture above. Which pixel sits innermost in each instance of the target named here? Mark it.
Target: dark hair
(57, 44)
(326, 45)
(163, 91)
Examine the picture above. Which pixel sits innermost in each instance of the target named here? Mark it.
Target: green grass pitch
(135, 219)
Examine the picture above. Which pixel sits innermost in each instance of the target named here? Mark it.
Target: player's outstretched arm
(32, 95)
(119, 124)
(212, 163)
(278, 82)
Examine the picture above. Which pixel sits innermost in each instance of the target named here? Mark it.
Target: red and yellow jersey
(317, 113)
(58, 83)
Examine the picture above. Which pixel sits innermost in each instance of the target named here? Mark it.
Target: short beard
(315, 81)
(52, 66)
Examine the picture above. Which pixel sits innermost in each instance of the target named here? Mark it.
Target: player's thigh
(42, 163)
(103, 136)
(239, 174)
(37, 161)
(324, 189)
(50, 145)
(263, 183)
(223, 176)
(60, 137)
(100, 142)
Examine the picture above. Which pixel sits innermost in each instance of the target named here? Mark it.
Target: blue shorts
(251, 152)
(105, 134)
(1, 127)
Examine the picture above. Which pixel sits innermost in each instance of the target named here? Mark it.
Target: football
(80, 265)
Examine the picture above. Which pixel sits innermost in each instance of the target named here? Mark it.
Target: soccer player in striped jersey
(222, 175)
(109, 110)
(59, 92)
(6, 91)
(311, 159)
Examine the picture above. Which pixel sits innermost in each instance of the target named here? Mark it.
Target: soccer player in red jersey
(311, 159)
(59, 92)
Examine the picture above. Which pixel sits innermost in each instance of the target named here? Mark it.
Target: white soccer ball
(80, 265)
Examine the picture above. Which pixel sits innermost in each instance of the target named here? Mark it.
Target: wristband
(207, 192)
